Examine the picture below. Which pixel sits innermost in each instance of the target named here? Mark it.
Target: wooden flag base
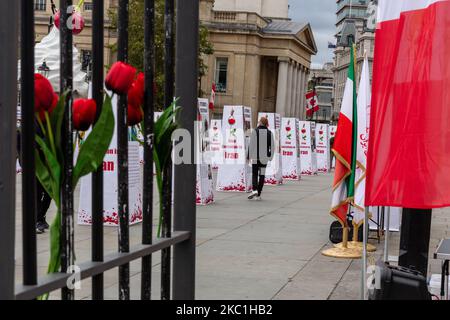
(355, 244)
(343, 252)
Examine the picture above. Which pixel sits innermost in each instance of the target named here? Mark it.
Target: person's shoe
(258, 198)
(252, 195)
(45, 225)
(40, 229)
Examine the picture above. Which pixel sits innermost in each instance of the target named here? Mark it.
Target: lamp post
(43, 69)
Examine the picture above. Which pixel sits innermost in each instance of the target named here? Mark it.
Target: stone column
(294, 89)
(298, 109)
(282, 86)
(289, 89)
(303, 90)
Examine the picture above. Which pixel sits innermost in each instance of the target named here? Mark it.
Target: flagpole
(386, 234)
(364, 257)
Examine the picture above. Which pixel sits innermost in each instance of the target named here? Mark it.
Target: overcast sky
(321, 14)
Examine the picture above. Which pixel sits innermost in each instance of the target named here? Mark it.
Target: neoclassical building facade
(261, 58)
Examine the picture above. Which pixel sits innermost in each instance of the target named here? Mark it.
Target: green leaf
(163, 129)
(53, 166)
(97, 143)
(55, 249)
(44, 176)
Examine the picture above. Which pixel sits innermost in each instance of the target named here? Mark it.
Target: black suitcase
(398, 283)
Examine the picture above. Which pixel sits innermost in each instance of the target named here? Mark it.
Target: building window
(86, 59)
(88, 6)
(40, 5)
(221, 74)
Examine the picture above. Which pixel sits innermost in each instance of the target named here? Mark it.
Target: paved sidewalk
(252, 250)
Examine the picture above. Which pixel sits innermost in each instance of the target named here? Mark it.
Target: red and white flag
(408, 161)
(212, 99)
(312, 103)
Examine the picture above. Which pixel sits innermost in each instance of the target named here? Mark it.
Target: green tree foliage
(136, 43)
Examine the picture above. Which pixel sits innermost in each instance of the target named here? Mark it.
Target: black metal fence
(181, 71)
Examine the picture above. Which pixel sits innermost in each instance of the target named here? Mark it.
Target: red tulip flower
(43, 94)
(120, 78)
(76, 25)
(51, 109)
(136, 92)
(83, 113)
(135, 115)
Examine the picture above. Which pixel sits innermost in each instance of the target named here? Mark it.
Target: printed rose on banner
(231, 119)
(321, 136)
(303, 131)
(288, 130)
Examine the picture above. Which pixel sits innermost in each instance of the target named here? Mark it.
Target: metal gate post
(8, 102)
(185, 174)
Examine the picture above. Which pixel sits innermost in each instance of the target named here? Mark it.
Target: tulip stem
(78, 6)
(44, 132)
(50, 133)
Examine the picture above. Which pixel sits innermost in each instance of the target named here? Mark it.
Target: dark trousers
(258, 177)
(43, 202)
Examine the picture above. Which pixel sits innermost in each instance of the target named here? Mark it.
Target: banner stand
(235, 174)
(204, 182)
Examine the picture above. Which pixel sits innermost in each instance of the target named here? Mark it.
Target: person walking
(43, 199)
(260, 153)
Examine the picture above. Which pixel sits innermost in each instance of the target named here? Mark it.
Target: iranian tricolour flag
(362, 142)
(408, 161)
(344, 148)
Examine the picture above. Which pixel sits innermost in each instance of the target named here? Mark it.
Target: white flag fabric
(363, 105)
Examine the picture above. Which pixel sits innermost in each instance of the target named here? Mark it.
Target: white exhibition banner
(234, 173)
(216, 142)
(307, 156)
(290, 149)
(323, 148)
(204, 181)
(110, 167)
(333, 130)
(140, 137)
(274, 171)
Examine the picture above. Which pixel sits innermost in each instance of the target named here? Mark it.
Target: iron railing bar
(9, 35)
(52, 282)
(27, 144)
(67, 199)
(97, 177)
(185, 174)
(149, 103)
(169, 85)
(122, 157)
